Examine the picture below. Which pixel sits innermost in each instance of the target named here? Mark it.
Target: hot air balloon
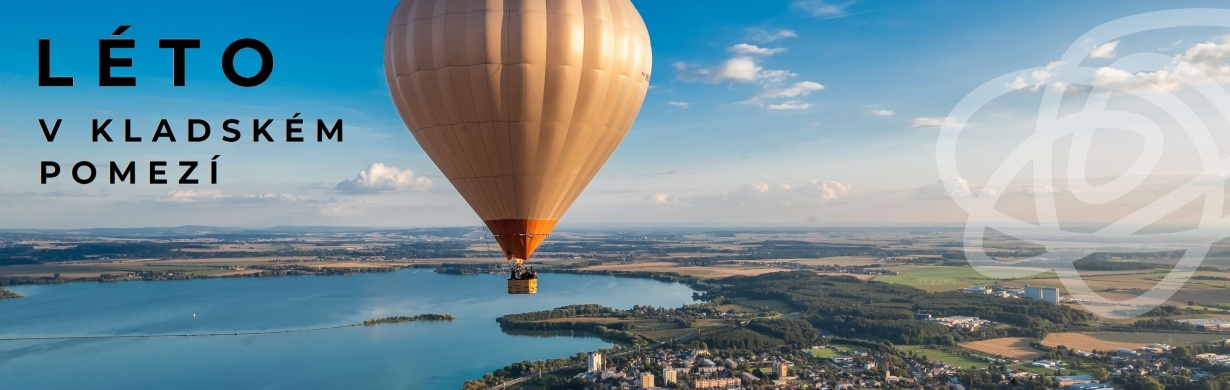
(518, 102)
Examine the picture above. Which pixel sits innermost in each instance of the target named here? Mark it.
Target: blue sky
(781, 113)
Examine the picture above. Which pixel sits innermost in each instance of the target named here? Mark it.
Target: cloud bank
(382, 178)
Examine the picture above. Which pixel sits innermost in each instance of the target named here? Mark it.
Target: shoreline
(460, 380)
(694, 283)
(371, 322)
(179, 275)
(666, 277)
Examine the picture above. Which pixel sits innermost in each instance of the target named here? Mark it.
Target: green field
(1209, 309)
(836, 350)
(824, 353)
(943, 278)
(942, 356)
(847, 347)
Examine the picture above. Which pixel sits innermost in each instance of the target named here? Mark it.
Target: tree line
(854, 308)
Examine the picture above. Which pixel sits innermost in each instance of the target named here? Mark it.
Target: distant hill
(614, 229)
(196, 230)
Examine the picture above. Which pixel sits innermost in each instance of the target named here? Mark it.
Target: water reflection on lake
(419, 355)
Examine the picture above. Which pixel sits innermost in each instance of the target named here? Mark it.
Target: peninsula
(5, 294)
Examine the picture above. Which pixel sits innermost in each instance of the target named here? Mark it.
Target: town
(822, 309)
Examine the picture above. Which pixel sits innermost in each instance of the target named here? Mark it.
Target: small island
(5, 294)
(420, 317)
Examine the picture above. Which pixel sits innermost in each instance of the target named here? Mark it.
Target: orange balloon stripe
(520, 237)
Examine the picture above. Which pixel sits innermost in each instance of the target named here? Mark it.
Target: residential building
(716, 383)
(595, 362)
(781, 369)
(749, 378)
(670, 375)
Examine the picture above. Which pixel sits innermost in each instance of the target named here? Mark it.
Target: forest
(537, 320)
(853, 308)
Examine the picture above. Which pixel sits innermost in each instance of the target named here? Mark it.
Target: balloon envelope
(518, 102)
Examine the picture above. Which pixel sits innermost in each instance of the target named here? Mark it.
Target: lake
(416, 355)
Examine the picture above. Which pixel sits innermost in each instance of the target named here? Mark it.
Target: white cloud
(1105, 50)
(815, 192)
(661, 199)
(745, 68)
(738, 69)
(1208, 61)
(822, 8)
(799, 89)
(790, 105)
(1042, 76)
(931, 122)
(204, 196)
(1069, 89)
(1210, 57)
(741, 69)
(190, 196)
(802, 88)
(1119, 79)
(765, 36)
(747, 49)
(961, 189)
(684, 105)
(1113, 78)
(1018, 83)
(381, 178)
(761, 194)
(883, 112)
(1036, 79)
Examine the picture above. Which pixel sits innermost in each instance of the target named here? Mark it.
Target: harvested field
(1009, 347)
(703, 272)
(348, 264)
(1086, 342)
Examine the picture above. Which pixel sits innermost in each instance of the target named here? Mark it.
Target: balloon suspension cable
(487, 244)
